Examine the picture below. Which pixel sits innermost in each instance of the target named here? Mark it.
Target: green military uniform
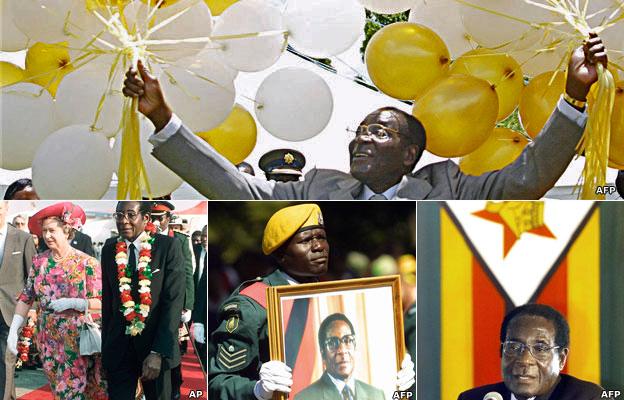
(240, 344)
(188, 268)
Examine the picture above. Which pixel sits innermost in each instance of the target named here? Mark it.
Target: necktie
(378, 196)
(346, 393)
(132, 263)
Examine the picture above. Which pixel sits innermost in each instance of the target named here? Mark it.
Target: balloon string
(109, 84)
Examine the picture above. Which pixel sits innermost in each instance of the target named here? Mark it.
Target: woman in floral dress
(66, 283)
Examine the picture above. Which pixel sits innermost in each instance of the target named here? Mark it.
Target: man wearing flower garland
(239, 366)
(143, 287)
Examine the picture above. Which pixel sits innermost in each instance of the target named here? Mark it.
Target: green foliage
(375, 22)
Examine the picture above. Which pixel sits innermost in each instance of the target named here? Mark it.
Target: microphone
(493, 396)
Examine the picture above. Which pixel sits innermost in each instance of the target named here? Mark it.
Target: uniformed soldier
(282, 165)
(239, 365)
(161, 217)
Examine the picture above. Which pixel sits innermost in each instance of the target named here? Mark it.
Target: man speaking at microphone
(534, 349)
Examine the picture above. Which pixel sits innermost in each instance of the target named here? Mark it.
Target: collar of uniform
(340, 384)
(275, 278)
(165, 232)
(289, 279)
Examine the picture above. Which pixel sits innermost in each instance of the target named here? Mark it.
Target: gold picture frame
(338, 291)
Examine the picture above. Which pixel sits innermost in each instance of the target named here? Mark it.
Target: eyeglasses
(377, 131)
(332, 343)
(539, 351)
(119, 216)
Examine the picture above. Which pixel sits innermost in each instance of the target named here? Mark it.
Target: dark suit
(19, 250)
(123, 355)
(619, 183)
(533, 173)
(81, 241)
(568, 388)
(324, 389)
(200, 310)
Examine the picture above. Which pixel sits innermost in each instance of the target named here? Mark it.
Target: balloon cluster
(64, 111)
(464, 63)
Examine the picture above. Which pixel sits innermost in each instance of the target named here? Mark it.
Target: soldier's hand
(406, 376)
(274, 376)
(140, 83)
(151, 367)
(582, 69)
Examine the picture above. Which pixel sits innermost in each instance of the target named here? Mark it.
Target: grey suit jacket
(324, 389)
(534, 172)
(19, 250)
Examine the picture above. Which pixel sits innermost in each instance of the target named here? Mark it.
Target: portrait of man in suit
(534, 349)
(139, 337)
(16, 253)
(337, 341)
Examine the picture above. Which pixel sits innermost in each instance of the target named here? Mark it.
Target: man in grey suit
(16, 253)
(387, 146)
(337, 342)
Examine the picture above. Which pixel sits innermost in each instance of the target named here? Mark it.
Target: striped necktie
(347, 394)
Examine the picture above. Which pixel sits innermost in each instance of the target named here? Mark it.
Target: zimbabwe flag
(477, 260)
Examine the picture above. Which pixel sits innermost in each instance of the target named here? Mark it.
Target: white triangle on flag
(531, 257)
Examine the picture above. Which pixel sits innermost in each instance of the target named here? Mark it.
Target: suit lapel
(348, 189)
(411, 188)
(10, 245)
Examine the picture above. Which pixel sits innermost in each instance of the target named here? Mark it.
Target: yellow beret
(286, 222)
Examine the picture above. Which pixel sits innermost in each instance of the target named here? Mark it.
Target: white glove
(274, 376)
(186, 316)
(198, 333)
(66, 303)
(17, 322)
(406, 376)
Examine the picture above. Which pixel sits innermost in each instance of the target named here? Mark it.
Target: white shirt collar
(340, 384)
(137, 241)
(165, 232)
(290, 279)
(389, 193)
(515, 398)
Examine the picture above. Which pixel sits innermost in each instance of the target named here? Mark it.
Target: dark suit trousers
(122, 382)
(7, 364)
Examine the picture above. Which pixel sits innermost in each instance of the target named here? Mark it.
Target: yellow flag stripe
(456, 360)
(584, 302)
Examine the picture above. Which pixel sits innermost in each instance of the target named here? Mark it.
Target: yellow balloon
(539, 99)
(47, 64)
(404, 59)
(218, 6)
(10, 73)
(500, 69)
(235, 138)
(458, 114)
(616, 147)
(500, 149)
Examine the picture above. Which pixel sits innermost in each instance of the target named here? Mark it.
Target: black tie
(132, 263)
(346, 393)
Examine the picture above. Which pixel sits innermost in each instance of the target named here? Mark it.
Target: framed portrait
(342, 339)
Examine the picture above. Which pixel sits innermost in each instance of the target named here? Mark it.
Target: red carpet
(191, 373)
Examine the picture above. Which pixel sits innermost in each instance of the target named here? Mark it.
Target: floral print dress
(71, 375)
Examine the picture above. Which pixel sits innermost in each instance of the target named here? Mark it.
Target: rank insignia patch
(231, 324)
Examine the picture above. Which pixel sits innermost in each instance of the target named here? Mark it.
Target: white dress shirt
(340, 384)
(137, 247)
(367, 193)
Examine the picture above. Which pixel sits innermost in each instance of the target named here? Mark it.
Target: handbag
(90, 335)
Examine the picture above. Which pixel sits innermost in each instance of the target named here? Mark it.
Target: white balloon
(387, 6)
(195, 22)
(491, 30)
(26, 114)
(207, 56)
(200, 104)
(294, 104)
(443, 17)
(52, 21)
(161, 179)
(73, 163)
(11, 38)
(79, 94)
(324, 28)
(250, 54)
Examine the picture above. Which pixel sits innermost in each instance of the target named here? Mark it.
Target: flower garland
(134, 313)
(24, 342)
